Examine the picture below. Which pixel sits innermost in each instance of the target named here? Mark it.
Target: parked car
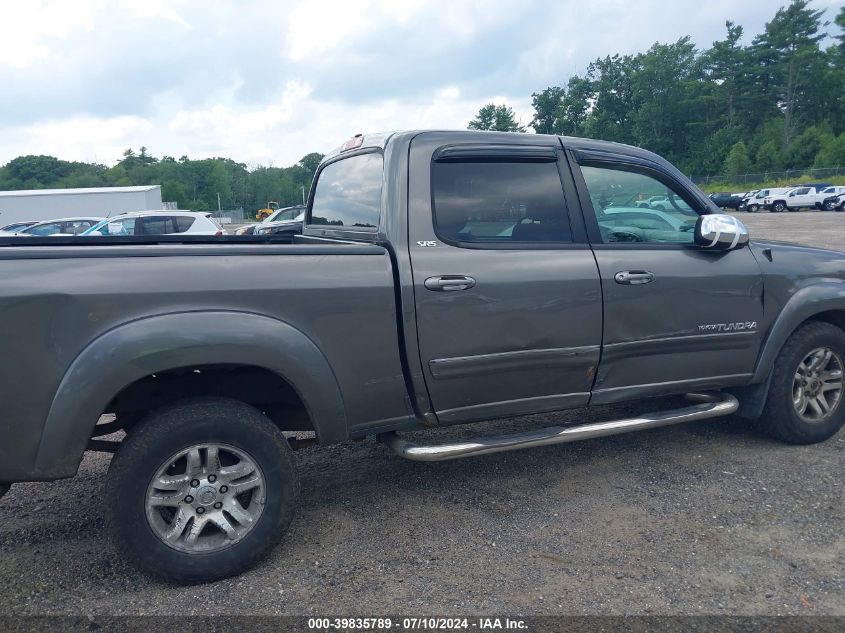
(14, 227)
(834, 203)
(290, 226)
(829, 197)
(60, 227)
(157, 223)
(653, 202)
(727, 200)
(280, 215)
(807, 196)
(443, 278)
(774, 199)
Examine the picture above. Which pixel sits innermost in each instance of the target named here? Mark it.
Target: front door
(676, 316)
(508, 298)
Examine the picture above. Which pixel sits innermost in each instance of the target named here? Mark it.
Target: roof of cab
(381, 139)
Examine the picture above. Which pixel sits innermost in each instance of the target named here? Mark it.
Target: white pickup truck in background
(808, 196)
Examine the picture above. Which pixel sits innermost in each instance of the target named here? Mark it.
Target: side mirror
(720, 231)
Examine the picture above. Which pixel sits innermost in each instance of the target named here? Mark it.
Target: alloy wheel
(818, 385)
(205, 498)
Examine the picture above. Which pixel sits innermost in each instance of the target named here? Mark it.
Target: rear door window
(184, 222)
(348, 193)
(499, 203)
(158, 225)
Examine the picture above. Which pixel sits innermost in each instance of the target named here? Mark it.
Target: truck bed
(58, 297)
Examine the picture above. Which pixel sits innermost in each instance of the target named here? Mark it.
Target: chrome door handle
(449, 283)
(633, 277)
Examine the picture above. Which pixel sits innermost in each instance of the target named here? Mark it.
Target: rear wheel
(804, 405)
(201, 490)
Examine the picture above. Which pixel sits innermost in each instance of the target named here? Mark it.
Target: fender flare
(137, 349)
(806, 303)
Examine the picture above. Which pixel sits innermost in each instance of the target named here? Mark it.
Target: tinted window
(631, 206)
(348, 193)
(78, 226)
(158, 225)
(183, 223)
(499, 202)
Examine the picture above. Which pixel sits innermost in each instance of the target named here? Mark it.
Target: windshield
(97, 227)
(285, 214)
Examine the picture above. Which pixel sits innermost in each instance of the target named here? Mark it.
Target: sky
(265, 82)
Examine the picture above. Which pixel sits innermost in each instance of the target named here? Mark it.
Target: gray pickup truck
(440, 278)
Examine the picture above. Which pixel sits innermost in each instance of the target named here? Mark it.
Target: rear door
(676, 316)
(507, 293)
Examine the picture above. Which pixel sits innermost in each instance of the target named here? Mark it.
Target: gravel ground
(701, 518)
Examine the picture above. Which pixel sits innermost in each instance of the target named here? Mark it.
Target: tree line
(775, 103)
(192, 184)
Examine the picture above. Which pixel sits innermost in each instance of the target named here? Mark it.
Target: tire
(753, 208)
(778, 207)
(781, 418)
(161, 447)
(827, 206)
(841, 207)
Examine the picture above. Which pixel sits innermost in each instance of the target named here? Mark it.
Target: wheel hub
(205, 498)
(818, 385)
(207, 495)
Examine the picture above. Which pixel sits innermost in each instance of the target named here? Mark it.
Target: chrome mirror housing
(720, 231)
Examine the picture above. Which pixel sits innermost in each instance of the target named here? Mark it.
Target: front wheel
(778, 207)
(201, 490)
(804, 405)
(828, 206)
(753, 208)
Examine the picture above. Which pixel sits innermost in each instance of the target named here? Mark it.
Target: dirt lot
(703, 518)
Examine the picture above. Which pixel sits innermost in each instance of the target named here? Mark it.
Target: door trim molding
(673, 387)
(511, 408)
(681, 344)
(468, 366)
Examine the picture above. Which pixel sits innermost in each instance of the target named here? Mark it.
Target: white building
(48, 204)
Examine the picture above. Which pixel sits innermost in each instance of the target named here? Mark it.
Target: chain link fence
(771, 176)
(230, 216)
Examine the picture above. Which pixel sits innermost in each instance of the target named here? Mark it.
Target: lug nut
(195, 483)
(189, 499)
(212, 478)
(218, 505)
(224, 489)
(200, 510)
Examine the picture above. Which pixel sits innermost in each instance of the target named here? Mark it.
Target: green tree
(737, 161)
(499, 118)
(790, 45)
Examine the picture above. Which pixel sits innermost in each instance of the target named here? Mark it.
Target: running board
(708, 405)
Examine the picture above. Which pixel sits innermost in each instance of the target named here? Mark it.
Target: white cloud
(29, 30)
(85, 138)
(271, 80)
(154, 9)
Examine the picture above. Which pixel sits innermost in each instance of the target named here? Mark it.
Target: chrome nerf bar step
(708, 405)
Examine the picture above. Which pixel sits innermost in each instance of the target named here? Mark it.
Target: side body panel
(60, 301)
(526, 338)
(695, 325)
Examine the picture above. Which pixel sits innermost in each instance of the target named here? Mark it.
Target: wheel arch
(820, 302)
(133, 351)
(826, 303)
